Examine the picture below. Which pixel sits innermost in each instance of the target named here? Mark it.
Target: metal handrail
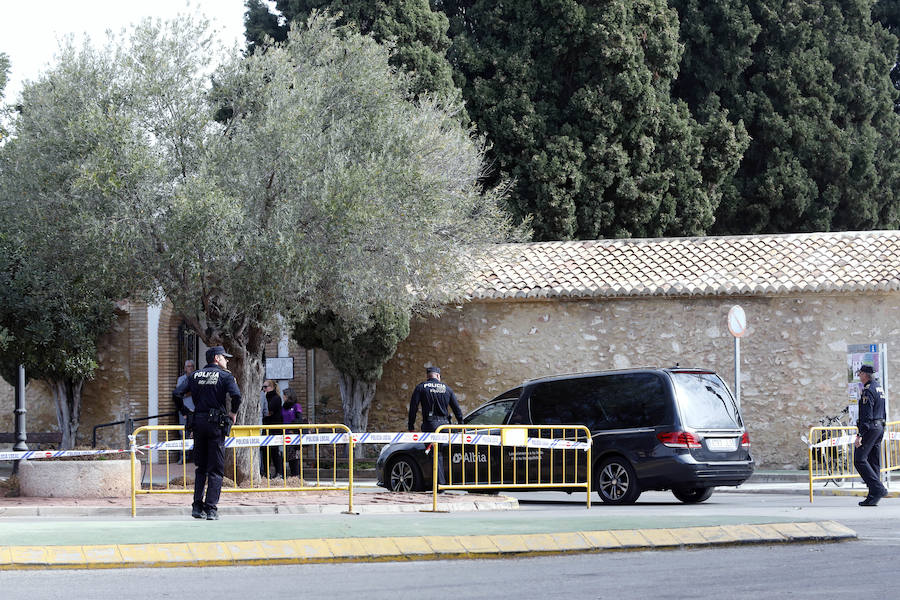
(129, 425)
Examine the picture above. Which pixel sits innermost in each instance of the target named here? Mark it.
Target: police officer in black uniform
(870, 430)
(211, 423)
(436, 399)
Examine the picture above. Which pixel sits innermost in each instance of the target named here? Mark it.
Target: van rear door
(714, 430)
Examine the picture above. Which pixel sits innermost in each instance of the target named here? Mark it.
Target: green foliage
(417, 34)
(68, 243)
(887, 12)
(809, 81)
(359, 352)
(574, 97)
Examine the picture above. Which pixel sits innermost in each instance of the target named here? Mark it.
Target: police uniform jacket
(208, 387)
(871, 408)
(436, 399)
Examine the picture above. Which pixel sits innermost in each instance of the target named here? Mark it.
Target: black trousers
(867, 459)
(429, 427)
(209, 458)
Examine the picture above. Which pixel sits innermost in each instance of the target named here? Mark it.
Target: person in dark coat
(210, 388)
(271, 455)
(437, 400)
(870, 431)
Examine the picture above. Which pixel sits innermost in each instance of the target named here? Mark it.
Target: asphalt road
(864, 568)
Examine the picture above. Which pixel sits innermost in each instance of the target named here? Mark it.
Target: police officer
(211, 423)
(870, 430)
(436, 399)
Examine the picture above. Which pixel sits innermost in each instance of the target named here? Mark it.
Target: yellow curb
(769, 533)
(279, 549)
(446, 545)
(478, 544)
(244, 551)
(540, 542)
(688, 536)
(381, 548)
(402, 548)
(413, 546)
(746, 533)
(96, 556)
(717, 535)
(812, 531)
(175, 553)
(68, 555)
(346, 548)
(836, 530)
(314, 549)
(602, 540)
(211, 553)
(571, 542)
(511, 543)
(659, 538)
(629, 538)
(144, 555)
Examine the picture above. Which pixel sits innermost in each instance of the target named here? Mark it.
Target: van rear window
(705, 401)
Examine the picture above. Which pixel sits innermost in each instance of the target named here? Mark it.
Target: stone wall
(793, 366)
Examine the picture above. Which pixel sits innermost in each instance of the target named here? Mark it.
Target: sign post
(737, 325)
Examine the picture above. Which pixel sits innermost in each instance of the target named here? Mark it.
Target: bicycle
(835, 460)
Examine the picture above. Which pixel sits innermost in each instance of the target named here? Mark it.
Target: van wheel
(617, 482)
(692, 495)
(404, 476)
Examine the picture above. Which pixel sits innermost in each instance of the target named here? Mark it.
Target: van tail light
(679, 439)
(745, 441)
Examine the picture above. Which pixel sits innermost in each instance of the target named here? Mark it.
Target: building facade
(536, 309)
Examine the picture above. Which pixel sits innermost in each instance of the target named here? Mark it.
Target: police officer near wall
(437, 400)
(210, 424)
(870, 430)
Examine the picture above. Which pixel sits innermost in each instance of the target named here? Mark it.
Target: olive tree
(321, 186)
(71, 179)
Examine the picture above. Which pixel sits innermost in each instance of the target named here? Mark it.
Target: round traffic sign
(737, 321)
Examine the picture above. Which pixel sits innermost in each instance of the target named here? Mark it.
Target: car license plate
(722, 444)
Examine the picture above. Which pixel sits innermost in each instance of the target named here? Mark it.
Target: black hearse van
(653, 429)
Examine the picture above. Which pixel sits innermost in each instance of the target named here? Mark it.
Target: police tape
(34, 454)
(474, 439)
(847, 440)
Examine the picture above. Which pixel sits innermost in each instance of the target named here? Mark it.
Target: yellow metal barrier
(513, 463)
(314, 445)
(831, 453)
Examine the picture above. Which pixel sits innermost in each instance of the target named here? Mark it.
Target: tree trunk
(356, 397)
(67, 397)
(247, 367)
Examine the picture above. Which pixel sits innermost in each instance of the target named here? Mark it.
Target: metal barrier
(509, 457)
(315, 445)
(831, 453)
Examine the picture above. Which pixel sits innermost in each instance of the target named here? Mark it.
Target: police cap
(213, 352)
(433, 370)
(866, 369)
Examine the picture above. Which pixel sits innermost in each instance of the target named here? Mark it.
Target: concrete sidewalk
(60, 533)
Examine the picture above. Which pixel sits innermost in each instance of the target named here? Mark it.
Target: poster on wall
(858, 355)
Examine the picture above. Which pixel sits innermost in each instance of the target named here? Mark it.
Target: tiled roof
(703, 266)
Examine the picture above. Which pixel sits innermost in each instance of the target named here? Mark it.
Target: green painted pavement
(85, 531)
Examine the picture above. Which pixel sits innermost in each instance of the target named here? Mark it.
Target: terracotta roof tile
(703, 266)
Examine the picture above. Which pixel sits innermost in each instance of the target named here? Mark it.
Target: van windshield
(705, 401)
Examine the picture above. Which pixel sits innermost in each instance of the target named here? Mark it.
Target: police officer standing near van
(870, 431)
(211, 423)
(437, 400)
